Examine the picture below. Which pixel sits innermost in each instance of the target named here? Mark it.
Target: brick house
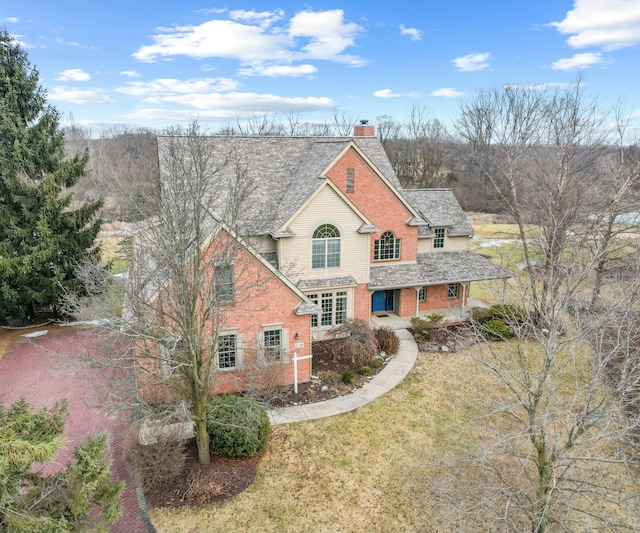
(328, 219)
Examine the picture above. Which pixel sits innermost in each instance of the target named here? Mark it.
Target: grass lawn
(369, 470)
(358, 472)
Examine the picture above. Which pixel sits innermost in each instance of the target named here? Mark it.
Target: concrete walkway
(392, 374)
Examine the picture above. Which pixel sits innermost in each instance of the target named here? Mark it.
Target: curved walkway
(392, 374)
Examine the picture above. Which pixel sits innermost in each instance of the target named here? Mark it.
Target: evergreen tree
(82, 498)
(41, 237)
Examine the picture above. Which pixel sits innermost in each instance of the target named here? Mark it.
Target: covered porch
(451, 314)
(435, 283)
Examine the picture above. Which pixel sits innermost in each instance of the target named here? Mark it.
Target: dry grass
(111, 251)
(367, 470)
(496, 231)
(353, 473)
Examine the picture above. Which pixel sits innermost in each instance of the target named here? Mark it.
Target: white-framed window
(230, 351)
(223, 282)
(438, 239)
(325, 247)
(273, 344)
(422, 294)
(333, 307)
(453, 289)
(351, 180)
(386, 247)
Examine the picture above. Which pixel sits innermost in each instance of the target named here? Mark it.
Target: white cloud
(578, 61)
(76, 96)
(609, 24)
(328, 33)
(537, 86)
(278, 70)
(448, 92)
(414, 33)
(264, 17)
(11, 20)
(472, 62)
(130, 73)
(214, 106)
(74, 74)
(163, 89)
(252, 38)
(386, 93)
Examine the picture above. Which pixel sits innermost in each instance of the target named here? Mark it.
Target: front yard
(357, 472)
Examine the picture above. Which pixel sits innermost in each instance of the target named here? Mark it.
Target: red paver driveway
(47, 368)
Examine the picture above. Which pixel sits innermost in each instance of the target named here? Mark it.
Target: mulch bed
(219, 480)
(223, 478)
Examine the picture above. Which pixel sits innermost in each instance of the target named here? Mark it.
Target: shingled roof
(436, 269)
(280, 173)
(439, 208)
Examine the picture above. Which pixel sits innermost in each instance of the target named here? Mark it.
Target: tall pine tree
(41, 237)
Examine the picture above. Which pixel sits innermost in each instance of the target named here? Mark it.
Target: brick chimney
(364, 129)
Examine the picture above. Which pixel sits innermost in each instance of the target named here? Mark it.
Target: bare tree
(343, 122)
(188, 265)
(419, 149)
(552, 457)
(124, 166)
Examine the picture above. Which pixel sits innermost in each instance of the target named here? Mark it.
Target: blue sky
(161, 63)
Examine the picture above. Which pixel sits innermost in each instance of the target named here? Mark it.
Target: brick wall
(379, 204)
(260, 298)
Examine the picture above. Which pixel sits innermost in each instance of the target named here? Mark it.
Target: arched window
(325, 250)
(386, 247)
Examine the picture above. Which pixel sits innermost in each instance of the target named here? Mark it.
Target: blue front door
(382, 301)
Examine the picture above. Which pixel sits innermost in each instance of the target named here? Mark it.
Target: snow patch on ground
(35, 334)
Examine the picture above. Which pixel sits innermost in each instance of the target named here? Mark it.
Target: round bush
(496, 330)
(348, 377)
(237, 426)
(377, 362)
(365, 371)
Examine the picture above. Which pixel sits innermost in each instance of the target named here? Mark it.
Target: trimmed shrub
(435, 318)
(388, 341)
(237, 426)
(421, 329)
(348, 377)
(481, 314)
(509, 314)
(377, 362)
(496, 329)
(365, 371)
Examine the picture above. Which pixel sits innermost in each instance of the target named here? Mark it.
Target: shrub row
(499, 322)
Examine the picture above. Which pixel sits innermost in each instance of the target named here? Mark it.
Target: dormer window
(386, 247)
(325, 247)
(438, 240)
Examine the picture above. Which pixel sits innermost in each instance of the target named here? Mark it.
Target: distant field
(496, 231)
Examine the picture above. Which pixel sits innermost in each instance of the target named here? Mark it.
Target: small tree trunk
(202, 437)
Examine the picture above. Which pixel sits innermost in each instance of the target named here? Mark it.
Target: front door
(382, 301)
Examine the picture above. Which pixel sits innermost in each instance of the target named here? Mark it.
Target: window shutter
(284, 345)
(260, 345)
(239, 351)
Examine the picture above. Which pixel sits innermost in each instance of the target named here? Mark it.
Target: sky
(154, 64)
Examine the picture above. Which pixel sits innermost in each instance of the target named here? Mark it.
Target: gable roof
(279, 173)
(439, 208)
(152, 279)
